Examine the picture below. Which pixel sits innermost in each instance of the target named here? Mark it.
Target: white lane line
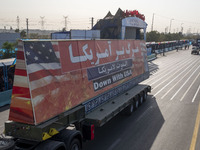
(196, 94)
(184, 83)
(170, 69)
(174, 78)
(162, 73)
(178, 80)
(166, 79)
(189, 87)
(144, 113)
(114, 144)
(166, 73)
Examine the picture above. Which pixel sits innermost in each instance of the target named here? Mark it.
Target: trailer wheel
(70, 138)
(141, 99)
(51, 145)
(136, 103)
(75, 145)
(145, 96)
(129, 110)
(6, 144)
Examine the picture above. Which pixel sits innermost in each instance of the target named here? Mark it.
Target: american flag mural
(21, 106)
(52, 77)
(44, 71)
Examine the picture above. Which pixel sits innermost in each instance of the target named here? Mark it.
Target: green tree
(17, 30)
(9, 50)
(64, 29)
(153, 36)
(23, 34)
(34, 36)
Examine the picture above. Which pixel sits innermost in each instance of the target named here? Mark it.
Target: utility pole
(42, 22)
(170, 25)
(92, 22)
(65, 17)
(182, 28)
(152, 22)
(18, 22)
(166, 30)
(27, 27)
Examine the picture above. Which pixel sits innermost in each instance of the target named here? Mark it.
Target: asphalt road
(168, 120)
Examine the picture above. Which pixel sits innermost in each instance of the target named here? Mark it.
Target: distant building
(122, 25)
(8, 37)
(77, 34)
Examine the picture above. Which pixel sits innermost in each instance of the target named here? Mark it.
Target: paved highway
(169, 120)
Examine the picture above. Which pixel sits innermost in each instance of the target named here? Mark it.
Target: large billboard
(63, 74)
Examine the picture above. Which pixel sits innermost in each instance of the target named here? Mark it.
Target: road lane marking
(144, 113)
(169, 76)
(175, 79)
(184, 83)
(189, 87)
(174, 71)
(114, 144)
(160, 76)
(177, 82)
(196, 94)
(196, 129)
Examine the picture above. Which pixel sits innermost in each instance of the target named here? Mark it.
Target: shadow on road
(3, 108)
(153, 67)
(135, 132)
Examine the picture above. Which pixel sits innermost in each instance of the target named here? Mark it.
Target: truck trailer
(63, 89)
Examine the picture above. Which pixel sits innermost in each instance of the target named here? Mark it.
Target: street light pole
(182, 28)
(152, 22)
(170, 25)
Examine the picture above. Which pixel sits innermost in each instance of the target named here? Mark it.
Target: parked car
(195, 50)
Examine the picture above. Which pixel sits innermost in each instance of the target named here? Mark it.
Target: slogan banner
(64, 74)
(109, 68)
(83, 54)
(110, 79)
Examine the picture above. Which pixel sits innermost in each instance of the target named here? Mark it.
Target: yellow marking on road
(196, 129)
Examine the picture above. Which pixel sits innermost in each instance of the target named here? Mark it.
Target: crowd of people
(6, 79)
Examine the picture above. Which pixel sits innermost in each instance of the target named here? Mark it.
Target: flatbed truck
(63, 89)
(74, 126)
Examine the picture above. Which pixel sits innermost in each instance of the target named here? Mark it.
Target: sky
(181, 13)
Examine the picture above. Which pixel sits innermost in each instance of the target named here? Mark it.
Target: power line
(18, 22)
(180, 20)
(65, 17)
(42, 22)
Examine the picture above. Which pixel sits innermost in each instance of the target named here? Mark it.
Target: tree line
(155, 36)
(9, 49)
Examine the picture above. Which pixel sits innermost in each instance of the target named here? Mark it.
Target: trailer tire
(141, 99)
(136, 103)
(6, 144)
(51, 145)
(75, 145)
(68, 137)
(145, 96)
(129, 109)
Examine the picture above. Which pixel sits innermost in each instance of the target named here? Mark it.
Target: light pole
(152, 22)
(182, 28)
(170, 25)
